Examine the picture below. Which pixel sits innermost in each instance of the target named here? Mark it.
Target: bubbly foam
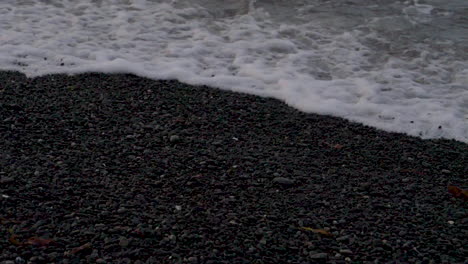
(396, 66)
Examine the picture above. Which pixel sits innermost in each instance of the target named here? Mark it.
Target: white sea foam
(389, 65)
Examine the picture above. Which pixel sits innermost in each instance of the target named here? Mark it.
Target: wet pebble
(283, 181)
(20, 260)
(346, 251)
(174, 138)
(123, 242)
(342, 238)
(317, 256)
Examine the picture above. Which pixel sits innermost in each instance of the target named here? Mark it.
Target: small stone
(425, 164)
(37, 259)
(123, 242)
(407, 244)
(121, 210)
(217, 143)
(346, 251)
(19, 260)
(105, 213)
(342, 238)
(319, 256)
(125, 261)
(283, 181)
(94, 254)
(451, 222)
(6, 180)
(444, 171)
(366, 185)
(192, 259)
(52, 256)
(174, 139)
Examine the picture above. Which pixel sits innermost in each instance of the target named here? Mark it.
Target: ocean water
(393, 64)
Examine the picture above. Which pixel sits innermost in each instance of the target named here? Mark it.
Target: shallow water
(396, 65)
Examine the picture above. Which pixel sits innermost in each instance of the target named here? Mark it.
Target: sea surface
(393, 64)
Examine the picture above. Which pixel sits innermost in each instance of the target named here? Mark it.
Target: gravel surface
(99, 168)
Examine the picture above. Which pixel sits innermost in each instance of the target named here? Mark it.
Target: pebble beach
(115, 168)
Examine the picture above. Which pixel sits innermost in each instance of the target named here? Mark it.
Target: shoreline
(164, 172)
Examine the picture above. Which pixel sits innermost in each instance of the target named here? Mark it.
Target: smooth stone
(342, 238)
(5, 180)
(94, 254)
(123, 242)
(283, 181)
(319, 256)
(52, 256)
(346, 252)
(20, 260)
(174, 138)
(121, 210)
